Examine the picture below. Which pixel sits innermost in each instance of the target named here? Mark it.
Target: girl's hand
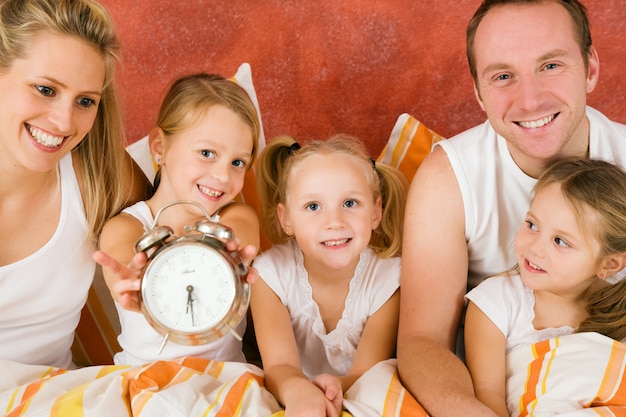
(331, 387)
(247, 254)
(126, 289)
(308, 400)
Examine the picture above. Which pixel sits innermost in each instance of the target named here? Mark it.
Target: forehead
(329, 172)
(528, 30)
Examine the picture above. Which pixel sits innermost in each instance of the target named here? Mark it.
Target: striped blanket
(184, 387)
(576, 375)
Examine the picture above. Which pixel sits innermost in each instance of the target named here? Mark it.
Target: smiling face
(205, 162)
(553, 252)
(330, 211)
(532, 82)
(49, 100)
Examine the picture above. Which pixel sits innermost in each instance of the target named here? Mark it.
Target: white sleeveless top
(496, 192)
(41, 296)
(141, 343)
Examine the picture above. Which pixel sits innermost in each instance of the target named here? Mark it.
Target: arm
(378, 341)
(485, 356)
(121, 267)
(433, 282)
(281, 362)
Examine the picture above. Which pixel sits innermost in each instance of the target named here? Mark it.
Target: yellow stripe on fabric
(612, 387)
(549, 366)
(69, 404)
(29, 392)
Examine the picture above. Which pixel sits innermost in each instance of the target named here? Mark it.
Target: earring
(158, 160)
(602, 275)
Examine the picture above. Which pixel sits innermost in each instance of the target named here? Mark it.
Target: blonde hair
(600, 186)
(189, 97)
(274, 175)
(101, 151)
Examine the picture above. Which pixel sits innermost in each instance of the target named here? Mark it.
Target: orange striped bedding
(576, 375)
(183, 387)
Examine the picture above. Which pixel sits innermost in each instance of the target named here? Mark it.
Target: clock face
(188, 287)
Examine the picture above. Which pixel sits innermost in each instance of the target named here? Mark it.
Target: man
(533, 65)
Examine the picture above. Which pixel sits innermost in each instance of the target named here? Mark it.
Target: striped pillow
(409, 143)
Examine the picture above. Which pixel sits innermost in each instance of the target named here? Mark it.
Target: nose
(529, 90)
(537, 246)
(334, 218)
(220, 170)
(62, 115)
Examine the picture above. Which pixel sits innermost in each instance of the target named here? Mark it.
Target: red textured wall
(326, 66)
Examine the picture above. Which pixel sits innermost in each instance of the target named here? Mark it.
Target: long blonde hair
(274, 174)
(601, 186)
(101, 151)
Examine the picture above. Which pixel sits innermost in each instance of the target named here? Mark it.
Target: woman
(63, 167)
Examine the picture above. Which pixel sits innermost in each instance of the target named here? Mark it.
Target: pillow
(409, 143)
(95, 339)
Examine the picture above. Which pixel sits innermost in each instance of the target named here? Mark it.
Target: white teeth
(208, 191)
(335, 242)
(45, 139)
(533, 266)
(537, 123)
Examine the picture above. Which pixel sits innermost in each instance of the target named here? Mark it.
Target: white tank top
(496, 192)
(41, 296)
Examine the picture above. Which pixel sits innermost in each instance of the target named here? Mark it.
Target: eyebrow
(545, 57)
(57, 82)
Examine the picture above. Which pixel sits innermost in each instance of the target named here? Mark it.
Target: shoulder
(500, 288)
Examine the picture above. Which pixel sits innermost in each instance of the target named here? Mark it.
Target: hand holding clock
(129, 284)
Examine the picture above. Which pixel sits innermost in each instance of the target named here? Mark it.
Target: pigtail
(269, 179)
(607, 312)
(386, 240)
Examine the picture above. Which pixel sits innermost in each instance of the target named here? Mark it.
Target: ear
(477, 95)
(611, 265)
(285, 223)
(593, 69)
(156, 143)
(378, 213)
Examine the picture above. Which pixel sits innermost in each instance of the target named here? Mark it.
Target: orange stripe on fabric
(96, 337)
(104, 324)
(30, 391)
(399, 401)
(613, 388)
(404, 140)
(420, 147)
(540, 349)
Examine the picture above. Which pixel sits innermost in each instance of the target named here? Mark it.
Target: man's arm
(433, 282)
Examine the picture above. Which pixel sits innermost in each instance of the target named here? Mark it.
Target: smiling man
(533, 65)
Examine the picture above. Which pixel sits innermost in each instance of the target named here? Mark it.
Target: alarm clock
(193, 290)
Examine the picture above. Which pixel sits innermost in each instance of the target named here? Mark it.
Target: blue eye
(239, 163)
(86, 102)
(46, 91)
(551, 66)
(312, 206)
(350, 203)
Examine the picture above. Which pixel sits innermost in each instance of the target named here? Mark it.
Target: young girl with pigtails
(325, 306)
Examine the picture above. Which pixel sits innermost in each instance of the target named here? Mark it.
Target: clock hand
(190, 303)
